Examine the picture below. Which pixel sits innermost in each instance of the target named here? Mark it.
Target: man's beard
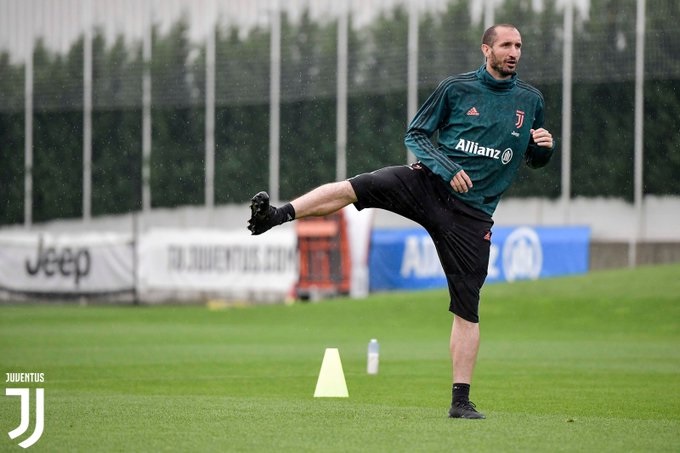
(498, 66)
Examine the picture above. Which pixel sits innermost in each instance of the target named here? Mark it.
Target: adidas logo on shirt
(472, 112)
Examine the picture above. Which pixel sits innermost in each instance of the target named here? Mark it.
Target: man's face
(502, 57)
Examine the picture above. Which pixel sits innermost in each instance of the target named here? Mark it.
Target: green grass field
(587, 363)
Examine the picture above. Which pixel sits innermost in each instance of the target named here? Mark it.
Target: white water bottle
(373, 357)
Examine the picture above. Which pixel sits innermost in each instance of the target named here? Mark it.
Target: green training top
(483, 127)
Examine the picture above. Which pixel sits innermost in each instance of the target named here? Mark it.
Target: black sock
(460, 392)
(285, 213)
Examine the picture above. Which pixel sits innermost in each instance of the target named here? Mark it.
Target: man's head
(502, 48)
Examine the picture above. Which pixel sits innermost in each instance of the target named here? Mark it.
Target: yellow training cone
(331, 381)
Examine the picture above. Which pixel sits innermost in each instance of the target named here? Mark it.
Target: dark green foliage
(449, 42)
(377, 115)
(241, 152)
(308, 108)
(377, 124)
(116, 161)
(307, 145)
(11, 141)
(11, 167)
(662, 143)
(57, 165)
(242, 115)
(117, 128)
(177, 157)
(177, 122)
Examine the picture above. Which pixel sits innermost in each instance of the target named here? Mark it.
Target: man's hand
(461, 182)
(542, 137)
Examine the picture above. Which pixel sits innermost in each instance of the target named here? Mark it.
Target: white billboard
(67, 264)
(228, 263)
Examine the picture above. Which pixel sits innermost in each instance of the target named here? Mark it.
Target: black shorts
(461, 234)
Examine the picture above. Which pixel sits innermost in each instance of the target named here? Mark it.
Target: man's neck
(495, 74)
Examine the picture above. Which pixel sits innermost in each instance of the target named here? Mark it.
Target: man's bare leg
(464, 346)
(323, 200)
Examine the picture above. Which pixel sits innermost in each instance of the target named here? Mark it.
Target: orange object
(325, 264)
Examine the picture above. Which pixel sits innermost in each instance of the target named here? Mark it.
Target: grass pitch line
(331, 382)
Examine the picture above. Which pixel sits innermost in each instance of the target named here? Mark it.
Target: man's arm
(541, 148)
(430, 117)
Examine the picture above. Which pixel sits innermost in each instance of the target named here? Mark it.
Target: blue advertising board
(407, 259)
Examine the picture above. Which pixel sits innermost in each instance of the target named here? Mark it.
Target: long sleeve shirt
(483, 128)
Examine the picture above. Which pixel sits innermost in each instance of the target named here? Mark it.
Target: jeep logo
(66, 262)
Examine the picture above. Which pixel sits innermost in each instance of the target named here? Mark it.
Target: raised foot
(261, 214)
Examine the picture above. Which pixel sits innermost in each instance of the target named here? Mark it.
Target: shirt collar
(498, 85)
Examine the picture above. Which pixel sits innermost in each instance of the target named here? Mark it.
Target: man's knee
(463, 323)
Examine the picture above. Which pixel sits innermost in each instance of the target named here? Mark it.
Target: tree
(11, 141)
(449, 44)
(603, 115)
(178, 146)
(242, 114)
(116, 124)
(57, 133)
(377, 104)
(308, 107)
(662, 99)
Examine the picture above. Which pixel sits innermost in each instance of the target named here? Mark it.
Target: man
(488, 122)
